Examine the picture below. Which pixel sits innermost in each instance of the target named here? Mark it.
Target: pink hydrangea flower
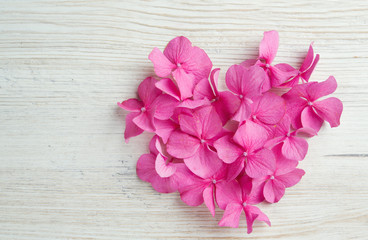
(306, 111)
(235, 197)
(246, 148)
(195, 190)
(294, 147)
(151, 105)
(186, 63)
(193, 141)
(276, 74)
(246, 83)
(284, 175)
(305, 70)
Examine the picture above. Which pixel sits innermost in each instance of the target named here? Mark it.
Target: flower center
(178, 64)
(214, 181)
(244, 204)
(272, 177)
(288, 134)
(203, 141)
(241, 96)
(245, 154)
(254, 117)
(310, 103)
(143, 109)
(267, 65)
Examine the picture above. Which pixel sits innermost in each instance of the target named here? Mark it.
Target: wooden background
(65, 172)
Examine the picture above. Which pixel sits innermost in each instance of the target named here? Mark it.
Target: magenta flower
(225, 103)
(195, 190)
(246, 148)
(186, 63)
(235, 197)
(285, 175)
(153, 105)
(305, 70)
(293, 147)
(277, 74)
(193, 141)
(246, 83)
(304, 109)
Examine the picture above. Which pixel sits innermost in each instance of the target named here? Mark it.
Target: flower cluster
(235, 148)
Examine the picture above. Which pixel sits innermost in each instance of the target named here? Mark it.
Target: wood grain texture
(65, 172)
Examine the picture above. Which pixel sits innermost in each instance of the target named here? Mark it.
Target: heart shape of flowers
(233, 148)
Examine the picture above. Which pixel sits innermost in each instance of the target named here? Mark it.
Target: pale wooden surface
(65, 172)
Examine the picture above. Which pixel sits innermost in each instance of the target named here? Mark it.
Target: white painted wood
(65, 172)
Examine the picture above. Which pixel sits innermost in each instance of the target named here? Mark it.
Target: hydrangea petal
(250, 136)
(234, 77)
(200, 64)
(178, 50)
(269, 46)
(226, 106)
(317, 90)
(260, 163)
(163, 67)
(185, 83)
(310, 119)
(306, 75)
(203, 90)
(308, 60)
(280, 74)
(244, 111)
(231, 215)
(227, 150)
(167, 86)
(291, 178)
(204, 163)
(329, 109)
(132, 105)
(273, 190)
(228, 192)
(211, 122)
(147, 91)
(269, 108)
(181, 145)
(209, 199)
(131, 129)
(145, 164)
(253, 213)
(192, 195)
(295, 148)
(165, 106)
(235, 169)
(164, 128)
(191, 124)
(145, 121)
(163, 169)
